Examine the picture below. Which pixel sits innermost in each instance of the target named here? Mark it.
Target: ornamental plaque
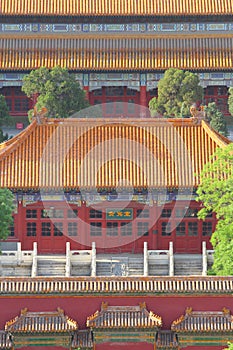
(119, 214)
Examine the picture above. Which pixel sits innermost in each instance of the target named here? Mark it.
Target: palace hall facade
(117, 50)
(105, 217)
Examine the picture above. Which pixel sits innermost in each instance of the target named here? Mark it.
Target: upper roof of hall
(112, 8)
(92, 153)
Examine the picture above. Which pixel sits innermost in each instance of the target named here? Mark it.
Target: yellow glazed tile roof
(115, 7)
(41, 322)
(135, 317)
(101, 153)
(117, 53)
(204, 321)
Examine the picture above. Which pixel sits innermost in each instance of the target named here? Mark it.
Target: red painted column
(143, 101)
(143, 96)
(86, 89)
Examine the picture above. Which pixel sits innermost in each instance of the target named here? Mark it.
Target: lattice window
(58, 229)
(166, 213)
(143, 228)
(46, 229)
(166, 229)
(31, 229)
(112, 228)
(72, 213)
(126, 228)
(95, 214)
(96, 228)
(192, 228)
(143, 213)
(72, 229)
(31, 213)
(207, 228)
(180, 229)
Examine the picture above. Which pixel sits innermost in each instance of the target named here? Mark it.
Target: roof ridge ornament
(39, 115)
(198, 113)
(24, 311)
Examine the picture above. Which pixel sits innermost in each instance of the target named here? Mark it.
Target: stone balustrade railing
(122, 285)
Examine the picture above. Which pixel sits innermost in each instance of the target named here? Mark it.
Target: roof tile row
(99, 153)
(118, 53)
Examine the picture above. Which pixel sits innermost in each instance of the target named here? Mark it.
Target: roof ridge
(18, 139)
(221, 140)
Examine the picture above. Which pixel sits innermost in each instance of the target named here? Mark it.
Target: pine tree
(216, 118)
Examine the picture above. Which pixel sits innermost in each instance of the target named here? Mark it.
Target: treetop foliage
(5, 118)
(216, 192)
(230, 100)
(177, 91)
(6, 210)
(56, 90)
(216, 118)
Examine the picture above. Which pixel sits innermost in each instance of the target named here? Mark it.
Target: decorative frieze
(142, 28)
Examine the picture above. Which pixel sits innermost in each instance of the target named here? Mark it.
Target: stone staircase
(187, 264)
(51, 265)
(86, 263)
(158, 263)
(136, 265)
(119, 265)
(80, 269)
(22, 270)
(80, 263)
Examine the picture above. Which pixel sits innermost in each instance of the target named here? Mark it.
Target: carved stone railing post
(19, 253)
(34, 260)
(68, 262)
(145, 264)
(93, 260)
(171, 259)
(204, 259)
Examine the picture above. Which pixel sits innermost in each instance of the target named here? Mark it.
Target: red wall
(79, 308)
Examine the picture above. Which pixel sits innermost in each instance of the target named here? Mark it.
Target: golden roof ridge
(220, 140)
(17, 139)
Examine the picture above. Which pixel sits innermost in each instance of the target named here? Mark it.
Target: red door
(188, 237)
(52, 239)
(165, 234)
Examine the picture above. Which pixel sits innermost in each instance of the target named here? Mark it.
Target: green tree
(177, 91)
(6, 210)
(5, 118)
(2, 136)
(56, 90)
(216, 118)
(216, 193)
(230, 100)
